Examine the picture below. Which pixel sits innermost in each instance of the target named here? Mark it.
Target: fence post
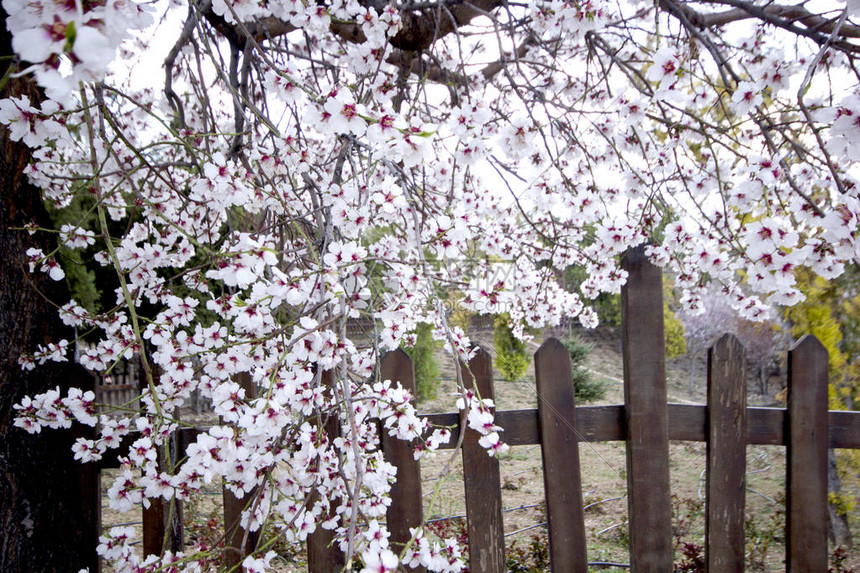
(162, 520)
(726, 453)
(560, 448)
(482, 482)
(644, 356)
(324, 555)
(807, 441)
(235, 551)
(405, 510)
(89, 487)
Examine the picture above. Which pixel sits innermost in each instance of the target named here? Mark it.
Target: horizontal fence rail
(687, 422)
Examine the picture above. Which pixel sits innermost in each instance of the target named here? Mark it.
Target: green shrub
(676, 344)
(606, 305)
(586, 388)
(531, 558)
(424, 362)
(511, 356)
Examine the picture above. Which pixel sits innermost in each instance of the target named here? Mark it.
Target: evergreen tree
(424, 362)
(586, 387)
(511, 357)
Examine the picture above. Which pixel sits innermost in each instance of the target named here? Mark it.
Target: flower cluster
(70, 43)
(480, 418)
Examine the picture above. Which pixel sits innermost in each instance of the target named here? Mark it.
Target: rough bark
(43, 521)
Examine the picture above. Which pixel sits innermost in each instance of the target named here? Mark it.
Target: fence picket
(236, 550)
(644, 355)
(726, 456)
(162, 520)
(560, 450)
(405, 509)
(806, 490)
(324, 555)
(482, 482)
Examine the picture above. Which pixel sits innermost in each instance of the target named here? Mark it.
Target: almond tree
(299, 164)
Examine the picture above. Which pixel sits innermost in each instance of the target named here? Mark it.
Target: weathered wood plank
(560, 449)
(482, 482)
(806, 488)
(162, 521)
(405, 509)
(153, 527)
(89, 486)
(324, 556)
(726, 456)
(239, 541)
(844, 429)
(593, 424)
(765, 427)
(644, 356)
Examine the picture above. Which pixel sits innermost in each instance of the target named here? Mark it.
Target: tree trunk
(762, 378)
(46, 524)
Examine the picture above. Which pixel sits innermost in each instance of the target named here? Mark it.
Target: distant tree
(701, 329)
(423, 358)
(850, 313)
(817, 316)
(511, 355)
(674, 333)
(586, 387)
(764, 342)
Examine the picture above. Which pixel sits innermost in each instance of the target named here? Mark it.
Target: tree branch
(813, 26)
(420, 28)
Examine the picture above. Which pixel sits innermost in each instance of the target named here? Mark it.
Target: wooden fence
(646, 422)
(121, 387)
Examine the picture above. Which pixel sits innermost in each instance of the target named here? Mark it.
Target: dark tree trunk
(46, 524)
